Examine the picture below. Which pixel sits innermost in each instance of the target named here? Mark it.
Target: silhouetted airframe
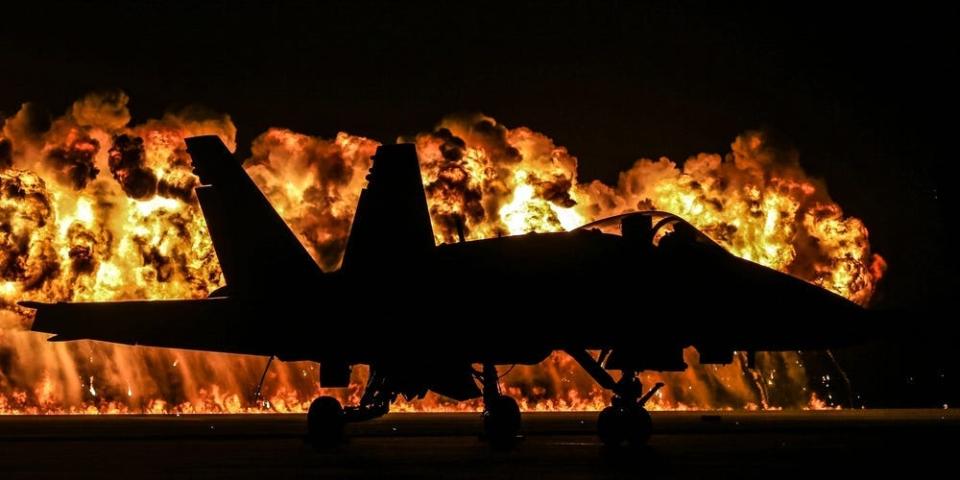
(638, 288)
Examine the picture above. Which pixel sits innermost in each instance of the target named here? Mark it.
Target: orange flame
(95, 209)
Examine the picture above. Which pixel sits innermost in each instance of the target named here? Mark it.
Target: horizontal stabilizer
(208, 324)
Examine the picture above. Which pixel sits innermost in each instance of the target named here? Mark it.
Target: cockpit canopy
(655, 228)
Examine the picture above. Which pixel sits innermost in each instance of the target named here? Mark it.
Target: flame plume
(93, 208)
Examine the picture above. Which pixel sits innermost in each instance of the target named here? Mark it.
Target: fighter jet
(625, 294)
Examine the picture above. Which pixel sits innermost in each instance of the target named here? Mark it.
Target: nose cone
(798, 315)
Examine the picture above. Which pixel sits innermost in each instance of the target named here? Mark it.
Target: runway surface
(851, 444)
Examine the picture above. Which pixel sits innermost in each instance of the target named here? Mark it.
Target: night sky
(866, 95)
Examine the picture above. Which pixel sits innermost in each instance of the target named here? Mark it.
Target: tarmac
(786, 444)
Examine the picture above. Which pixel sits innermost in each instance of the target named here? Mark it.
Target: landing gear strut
(501, 414)
(625, 420)
(326, 419)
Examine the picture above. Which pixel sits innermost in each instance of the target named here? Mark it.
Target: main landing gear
(326, 418)
(625, 420)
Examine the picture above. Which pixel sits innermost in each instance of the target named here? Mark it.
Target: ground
(555, 445)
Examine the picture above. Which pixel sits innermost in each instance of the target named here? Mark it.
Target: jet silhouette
(637, 288)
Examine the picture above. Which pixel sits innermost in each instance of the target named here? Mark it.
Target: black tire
(501, 421)
(610, 427)
(325, 422)
(641, 427)
(619, 425)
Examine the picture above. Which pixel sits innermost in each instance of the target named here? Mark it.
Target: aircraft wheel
(618, 425)
(501, 421)
(325, 422)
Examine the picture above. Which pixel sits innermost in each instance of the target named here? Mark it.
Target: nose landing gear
(625, 420)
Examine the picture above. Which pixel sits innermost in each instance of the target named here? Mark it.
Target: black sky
(866, 94)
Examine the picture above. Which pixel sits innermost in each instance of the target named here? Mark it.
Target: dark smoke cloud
(485, 132)
(73, 161)
(83, 242)
(470, 164)
(453, 187)
(167, 266)
(178, 184)
(556, 189)
(27, 253)
(127, 164)
(452, 147)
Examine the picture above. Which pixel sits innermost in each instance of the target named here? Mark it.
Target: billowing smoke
(28, 258)
(25, 128)
(496, 181)
(456, 198)
(73, 160)
(128, 166)
(93, 209)
(314, 184)
(164, 151)
(104, 110)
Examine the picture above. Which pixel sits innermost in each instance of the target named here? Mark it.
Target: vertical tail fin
(391, 228)
(257, 250)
